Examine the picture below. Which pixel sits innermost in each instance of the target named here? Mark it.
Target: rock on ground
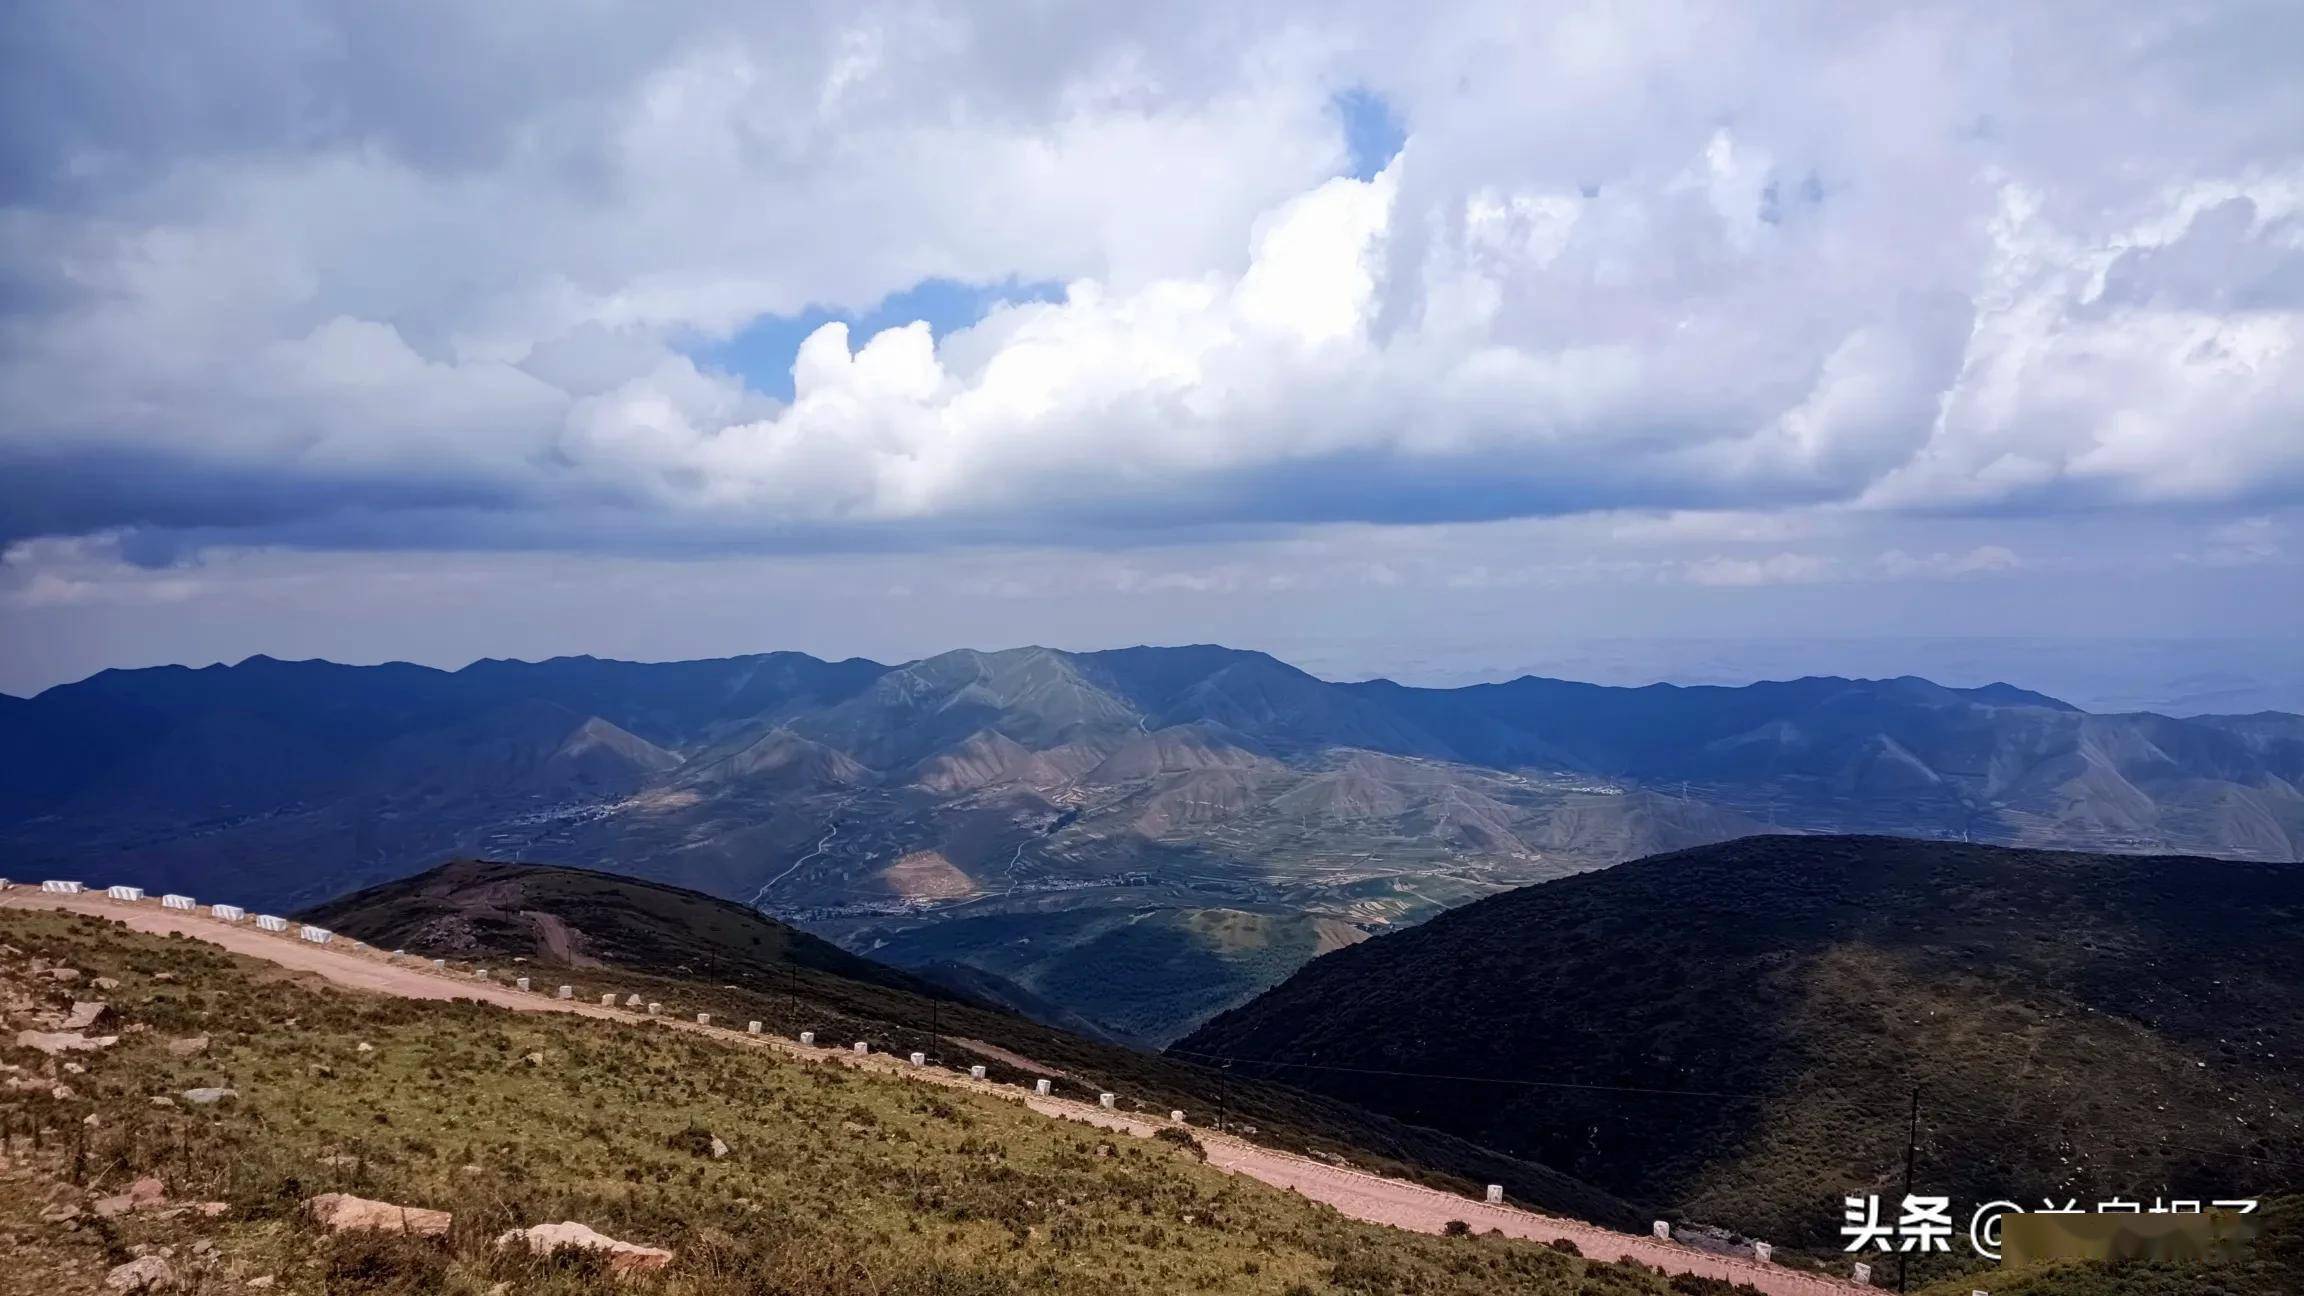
(188, 1046)
(623, 1257)
(55, 1042)
(85, 1014)
(203, 1097)
(149, 1273)
(343, 1212)
(146, 1193)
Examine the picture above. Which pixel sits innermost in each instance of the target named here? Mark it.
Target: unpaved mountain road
(1352, 1193)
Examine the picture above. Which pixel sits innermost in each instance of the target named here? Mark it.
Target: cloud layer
(302, 274)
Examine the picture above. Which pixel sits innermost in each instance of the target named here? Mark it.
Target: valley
(1207, 819)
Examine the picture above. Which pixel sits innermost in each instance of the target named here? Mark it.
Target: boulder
(145, 1274)
(623, 1257)
(64, 975)
(204, 1096)
(83, 1015)
(188, 1046)
(145, 1194)
(106, 983)
(55, 1042)
(344, 1213)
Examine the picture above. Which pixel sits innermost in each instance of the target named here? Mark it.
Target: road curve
(1353, 1193)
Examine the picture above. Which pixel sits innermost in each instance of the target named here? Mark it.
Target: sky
(1438, 341)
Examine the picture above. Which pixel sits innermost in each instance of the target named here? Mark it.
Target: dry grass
(838, 1183)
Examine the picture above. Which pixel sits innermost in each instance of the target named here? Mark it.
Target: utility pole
(1911, 1152)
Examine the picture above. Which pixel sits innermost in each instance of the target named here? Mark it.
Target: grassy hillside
(834, 1182)
(580, 918)
(704, 954)
(1753, 1017)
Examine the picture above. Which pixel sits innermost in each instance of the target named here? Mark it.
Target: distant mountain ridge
(1218, 814)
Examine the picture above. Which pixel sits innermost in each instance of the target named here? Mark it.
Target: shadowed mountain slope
(1734, 1032)
(580, 918)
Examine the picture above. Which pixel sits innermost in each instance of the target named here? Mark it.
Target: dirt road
(1352, 1193)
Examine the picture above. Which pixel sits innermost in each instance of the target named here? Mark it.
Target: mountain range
(1747, 1032)
(1133, 839)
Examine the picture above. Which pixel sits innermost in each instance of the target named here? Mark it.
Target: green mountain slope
(678, 946)
(1753, 1017)
(1162, 962)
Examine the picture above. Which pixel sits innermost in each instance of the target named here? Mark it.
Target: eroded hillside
(1210, 818)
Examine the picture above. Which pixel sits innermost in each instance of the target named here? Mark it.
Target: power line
(1437, 1075)
(1911, 1154)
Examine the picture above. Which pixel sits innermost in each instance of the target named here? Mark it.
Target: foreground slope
(677, 946)
(1755, 1016)
(760, 1172)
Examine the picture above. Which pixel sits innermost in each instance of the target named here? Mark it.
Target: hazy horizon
(2169, 676)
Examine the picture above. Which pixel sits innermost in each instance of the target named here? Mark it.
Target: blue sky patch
(1372, 131)
(761, 352)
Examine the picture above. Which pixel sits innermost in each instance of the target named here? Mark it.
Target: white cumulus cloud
(338, 281)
